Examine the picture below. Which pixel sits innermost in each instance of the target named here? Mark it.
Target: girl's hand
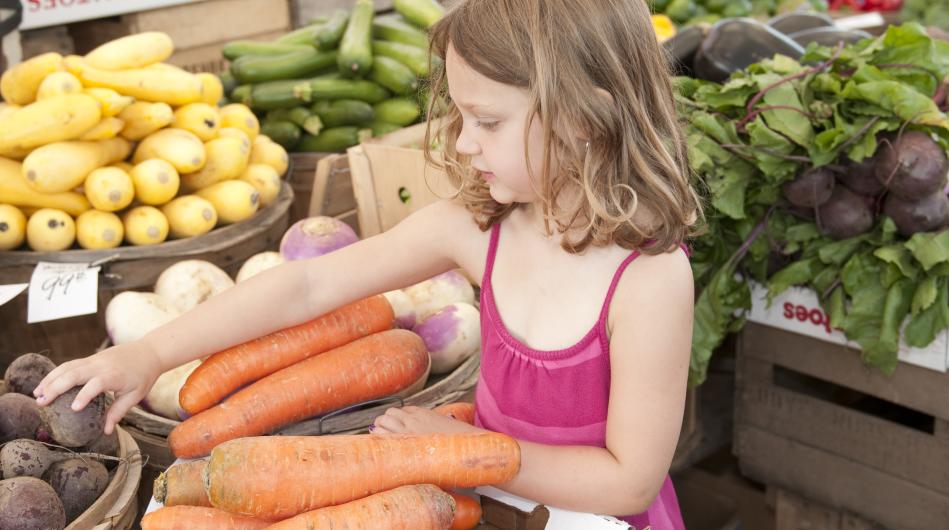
(128, 370)
(417, 420)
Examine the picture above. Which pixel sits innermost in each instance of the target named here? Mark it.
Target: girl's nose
(465, 145)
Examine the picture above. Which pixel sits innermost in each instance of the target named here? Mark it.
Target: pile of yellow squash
(118, 147)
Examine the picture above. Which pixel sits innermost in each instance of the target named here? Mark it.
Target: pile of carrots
(384, 482)
(347, 356)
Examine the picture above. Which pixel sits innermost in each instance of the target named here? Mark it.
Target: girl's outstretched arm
(650, 345)
(292, 293)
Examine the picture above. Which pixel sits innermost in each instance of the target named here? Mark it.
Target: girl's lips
(488, 176)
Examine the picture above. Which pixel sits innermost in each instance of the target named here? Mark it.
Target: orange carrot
(199, 518)
(228, 370)
(421, 507)
(460, 411)
(183, 485)
(281, 476)
(372, 367)
(467, 512)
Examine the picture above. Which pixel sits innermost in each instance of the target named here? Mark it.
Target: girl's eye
(486, 125)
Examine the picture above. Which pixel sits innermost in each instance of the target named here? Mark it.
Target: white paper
(9, 292)
(559, 519)
(872, 19)
(61, 290)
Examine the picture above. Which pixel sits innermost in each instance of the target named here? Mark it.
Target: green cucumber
(393, 75)
(422, 13)
(355, 48)
(381, 128)
(228, 83)
(305, 35)
(412, 56)
(334, 140)
(348, 89)
(332, 30)
(313, 124)
(281, 94)
(319, 19)
(239, 48)
(396, 29)
(242, 94)
(285, 133)
(398, 111)
(256, 69)
(343, 112)
(297, 115)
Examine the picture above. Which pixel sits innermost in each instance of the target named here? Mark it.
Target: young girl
(573, 206)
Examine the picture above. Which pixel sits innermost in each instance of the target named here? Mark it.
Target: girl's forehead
(473, 91)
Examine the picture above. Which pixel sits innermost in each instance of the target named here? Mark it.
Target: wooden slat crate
(304, 10)
(812, 418)
(793, 512)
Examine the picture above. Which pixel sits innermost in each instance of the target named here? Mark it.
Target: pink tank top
(555, 397)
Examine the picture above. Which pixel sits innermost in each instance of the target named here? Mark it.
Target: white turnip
(257, 264)
(131, 315)
(435, 293)
(452, 335)
(188, 283)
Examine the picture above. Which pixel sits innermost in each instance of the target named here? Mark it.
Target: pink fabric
(554, 397)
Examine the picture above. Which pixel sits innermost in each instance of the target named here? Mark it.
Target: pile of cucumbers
(338, 80)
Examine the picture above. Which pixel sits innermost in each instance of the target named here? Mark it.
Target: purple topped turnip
(452, 335)
(403, 309)
(435, 293)
(315, 236)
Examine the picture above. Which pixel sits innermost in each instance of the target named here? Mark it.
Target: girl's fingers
(50, 377)
(387, 423)
(61, 383)
(89, 391)
(118, 409)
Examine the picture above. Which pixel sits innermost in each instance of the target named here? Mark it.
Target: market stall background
(788, 151)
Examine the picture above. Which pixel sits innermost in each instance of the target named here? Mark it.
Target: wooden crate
(190, 25)
(793, 512)
(304, 10)
(812, 418)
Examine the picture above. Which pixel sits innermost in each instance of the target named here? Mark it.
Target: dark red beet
(26, 371)
(912, 166)
(19, 417)
(811, 188)
(860, 177)
(925, 215)
(28, 503)
(845, 215)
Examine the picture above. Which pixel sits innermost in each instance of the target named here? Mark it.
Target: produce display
(339, 80)
(927, 12)
(828, 173)
(117, 147)
(687, 12)
(55, 462)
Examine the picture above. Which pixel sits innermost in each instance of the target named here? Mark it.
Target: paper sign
(45, 13)
(9, 292)
(863, 21)
(60, 290)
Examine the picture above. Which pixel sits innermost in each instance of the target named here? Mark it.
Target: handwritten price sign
(61, 290)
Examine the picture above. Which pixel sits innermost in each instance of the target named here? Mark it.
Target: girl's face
(492, 134)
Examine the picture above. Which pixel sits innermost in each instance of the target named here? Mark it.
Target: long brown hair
(560, 52)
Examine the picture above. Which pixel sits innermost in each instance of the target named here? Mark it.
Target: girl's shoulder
(664, 274)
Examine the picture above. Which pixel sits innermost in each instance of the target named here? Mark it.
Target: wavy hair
(561, 52)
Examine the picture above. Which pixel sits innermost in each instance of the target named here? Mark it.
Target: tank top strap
(492, 253)
(604, 311)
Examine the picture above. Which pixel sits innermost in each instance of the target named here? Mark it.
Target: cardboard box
(192, 25)
(798, 309)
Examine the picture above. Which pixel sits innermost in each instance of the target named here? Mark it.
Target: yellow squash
(111, 101)
(175, 87)
(50, 120)
(198, 118)
(62, 166)
(238, 115)
(133, 51)
(272, 154)
(14, 190)
(50, 230)
(58, 84)
(145, 225)
(189, 215)
(19, 84)
(12, 227)
(106, 129)
(96, 230)
(156, 181)
(265, 180)
(233, 200)
(179, 147)
(227, 159)
(212, 91)
(109, 189)
(143, 118)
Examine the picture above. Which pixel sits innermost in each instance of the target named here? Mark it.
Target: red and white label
(798, 310)
(45, 13)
